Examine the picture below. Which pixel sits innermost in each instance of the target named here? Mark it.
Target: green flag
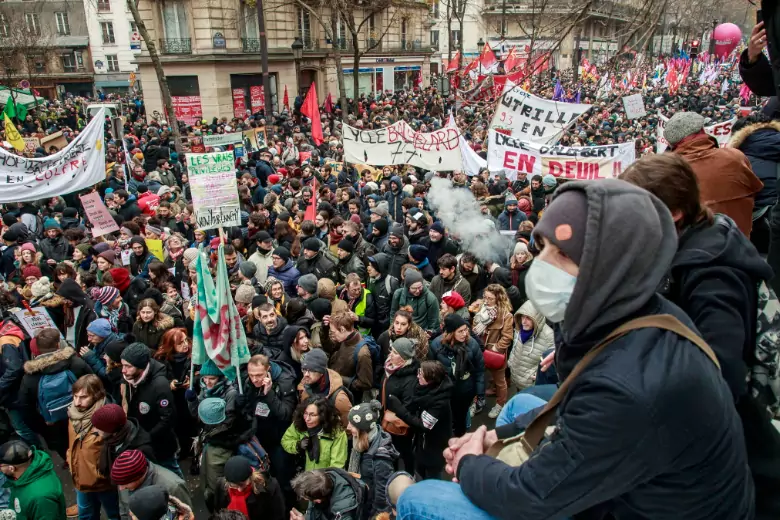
(10, 108)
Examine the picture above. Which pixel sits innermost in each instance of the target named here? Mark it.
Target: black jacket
(129, 210)
(12, 358)
(472, 362)
(320, 266)
(268, 504)
(503, 277)
(437, 249)
(760, 142)
(351, 264)
(271, 413)
(151, 404)
(377, 463)
(401, 384)
(272, 342)
(56, 248)
(286, 357)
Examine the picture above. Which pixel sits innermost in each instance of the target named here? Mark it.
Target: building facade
(210, 51)
(114, 43)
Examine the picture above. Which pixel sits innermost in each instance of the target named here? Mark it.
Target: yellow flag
(12, 135)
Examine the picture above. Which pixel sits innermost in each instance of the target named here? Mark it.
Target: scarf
(313, 449)
(82, 421)
(525, 334)
(238, 499)
(391, 369)
(175, 255)
(483, 318)
(70, 318)
(111, 444)
(461, 356)
(335, 237)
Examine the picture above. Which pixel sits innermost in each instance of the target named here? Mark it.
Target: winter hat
(237, 469)
(50, 223)
(28, 246)
(326, 289)
(453, 322)
(418, 252)
(121, 278)
(149, 503)
(245, 293)
(212, 411)
(262, 236)
(190, 254)
(248, 269)
(283, 253)
(381, 225)
(308, 283)
(315, 361)
(101, 247)
(549, 180)
(31, 270)
(109, 418)
(214, 244)
(365, 415)
(454, 300)
(15, 452)
(404, 347)
(681, 125)
(11, 235)
(114, 350)
(107, 295)
(381, 211)
(311, 244)
(412, 276)
(510, 201)
(209, 369)
(438, 227)
(109, 256)
(524, 204)
(564, 222)
(520, 247)
(397, 230)
(130, 466)
(41, 288)
(84, 249)
(258, 300)
(137, 354)
(347, 245)
(273, 179)
(100, 327)
(320, 308)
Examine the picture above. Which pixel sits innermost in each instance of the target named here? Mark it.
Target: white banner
(720, 131)
(635, 106)
(400, 144)
(532, 118)
(214, 189)
(510, 155)
(472, 162)
(223, 139)
(79, 165)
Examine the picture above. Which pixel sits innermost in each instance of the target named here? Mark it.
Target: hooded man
(510, 218)
(382, 287)
(425, 306)
(394, 198)
(378, 233)
(397, 248)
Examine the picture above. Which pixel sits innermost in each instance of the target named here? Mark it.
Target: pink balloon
(727, 36)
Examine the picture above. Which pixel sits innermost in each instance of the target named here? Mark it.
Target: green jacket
(38, 492)
(333, 448)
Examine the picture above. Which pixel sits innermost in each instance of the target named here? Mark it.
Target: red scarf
(335, 238)
(238, 500)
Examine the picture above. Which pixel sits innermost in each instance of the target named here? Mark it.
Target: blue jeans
(440, 500)
(90, 504)
(5, 494)
(17, 421)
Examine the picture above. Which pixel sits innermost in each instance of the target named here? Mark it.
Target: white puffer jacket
(524, 359)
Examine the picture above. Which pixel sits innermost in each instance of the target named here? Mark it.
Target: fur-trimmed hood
(47, 361)
(163, 321)
(51, 300)
(739, 138)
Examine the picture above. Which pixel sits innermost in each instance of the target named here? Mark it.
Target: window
(107, 28)
(3, 26)
(403, 33)
(249, 21)
(304, 28)
(455, 39)
(68, 63)
(63, 24)
(113, 63)
(175, 20)
(133, 27)
(33, 23)
(39, 63)
(435, 9)
(104, 5)
(435, 39)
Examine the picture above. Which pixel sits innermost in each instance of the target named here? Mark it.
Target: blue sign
(219, 41)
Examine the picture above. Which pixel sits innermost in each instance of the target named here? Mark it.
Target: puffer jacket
(288, 275)
(377, 463)
(82, 458)
(152, 332)
(394, 199)
(272, 342)
(525, 357)
(425, 308)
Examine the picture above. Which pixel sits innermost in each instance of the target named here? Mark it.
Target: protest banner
(400, 144)
(720, 131)
(472, 163)
(35, 320)
(511, 155)
(214, 189)
(635, 106)
(98, 215)
(79, 165)
(531, 118)
(155, 246)
(187, 109)
(223, 139)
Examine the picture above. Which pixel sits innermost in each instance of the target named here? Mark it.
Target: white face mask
(549, 288)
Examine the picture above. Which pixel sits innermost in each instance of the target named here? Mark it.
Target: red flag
(512, 60)
(311, 110)
(311, 209)
(672, 80)
(286, 99)
(452, 66)
(329, 103)
(487, 58)
(470, 66)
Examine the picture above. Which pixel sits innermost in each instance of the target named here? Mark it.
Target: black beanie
(347, 245)
(320, 307)
(262, 236)
(453, 322)
(137, 354)
(237, 469)
(149, 503)
(311, 244)
(564, 223)
(114, 350)
(283, 253)
(381, 225)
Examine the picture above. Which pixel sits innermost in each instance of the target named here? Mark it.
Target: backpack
(55, 394)
(335, 394)
(764, 372)
(256, 455)
(360, 489)
(376, 357)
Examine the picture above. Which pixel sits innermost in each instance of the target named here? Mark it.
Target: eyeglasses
(310, 414)
(274, 257)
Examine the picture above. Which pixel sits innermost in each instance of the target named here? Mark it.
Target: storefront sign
(187, 109)
(385, 60)
(214, 189)
(98, 215)
(256, 98)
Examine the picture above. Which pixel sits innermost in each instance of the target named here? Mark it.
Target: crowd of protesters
(376, 336)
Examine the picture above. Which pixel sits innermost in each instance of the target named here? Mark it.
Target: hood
(71, 290)
(342, 500)
(40, 466)
(503, 277)
(528, 309)
(395, 179)
(719, 245)
(382, 446)
(697, 148)
(617, 275)
(289, 335)
(761, 139)
(51, 362)
(383, 262)
(156, 369)
(10, 332)
(335, 380)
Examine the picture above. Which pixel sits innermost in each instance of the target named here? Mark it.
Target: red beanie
(121, 278)
(31, 270)
(109, 418)
(273, 179)
(453, 299)
(130, 466)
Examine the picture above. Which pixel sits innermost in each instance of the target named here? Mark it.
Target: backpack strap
(535, 432)
(356, 352)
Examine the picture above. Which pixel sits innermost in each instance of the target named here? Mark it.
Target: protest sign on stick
(635, 106)
(214, 189)
(98, 215)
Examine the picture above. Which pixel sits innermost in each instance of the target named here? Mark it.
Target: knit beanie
(564, 222)
(308, 283)
(137, 354)
(438, 227)
(212, 411)
(365, 415)
(84, 249)
(320, 308)
(549, 181)
(237, 469)
(244, 293)
(283, 253)
(121, 278)
(247, 268)
(418, 252)
(326, 289)
(411, 277)
(109, 418)
(453, 322)
(190, 254)
(454, 300)
(108, 256)
(131, 465)
(100, 327)
(397, 230)
(209, 369)
(31, 270)
(347, 245)
(41, 287)
(29, 246)
(315, 361)
(149, 503)
(311, 244)
(50, 223)
(114, 350)
(101, 247)
(681, 125)
(404, 347)
(381, 226)
(107, 295)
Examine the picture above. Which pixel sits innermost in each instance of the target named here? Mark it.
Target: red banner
(256, 98)
(239, 103)
(187, 109)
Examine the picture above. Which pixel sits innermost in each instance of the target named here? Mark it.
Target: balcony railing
(250, 44)
(176, 46)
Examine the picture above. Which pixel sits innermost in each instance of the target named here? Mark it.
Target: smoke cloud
(459, 211)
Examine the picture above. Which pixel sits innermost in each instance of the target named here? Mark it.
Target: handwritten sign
(223, 139)
(98, 215)
(31, 143)
(214, 189)
(635, 106)
(35, 320)
(155, 246)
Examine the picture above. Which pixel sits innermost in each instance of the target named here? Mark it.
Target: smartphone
(759, 16)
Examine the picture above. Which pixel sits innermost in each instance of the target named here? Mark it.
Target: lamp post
(297, 50)
(480, 46)
(712, 37)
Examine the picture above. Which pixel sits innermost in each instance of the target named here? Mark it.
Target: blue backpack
(376, 357)
(55, 394)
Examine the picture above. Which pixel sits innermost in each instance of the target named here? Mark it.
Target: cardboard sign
(57, 140)
(155, 247)
(31, 143)
(35, 320)
(635, 106)
(214, 189)
(125, 255)
(223, 139)
(720, 131)
(98, 215)
(511, 155)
